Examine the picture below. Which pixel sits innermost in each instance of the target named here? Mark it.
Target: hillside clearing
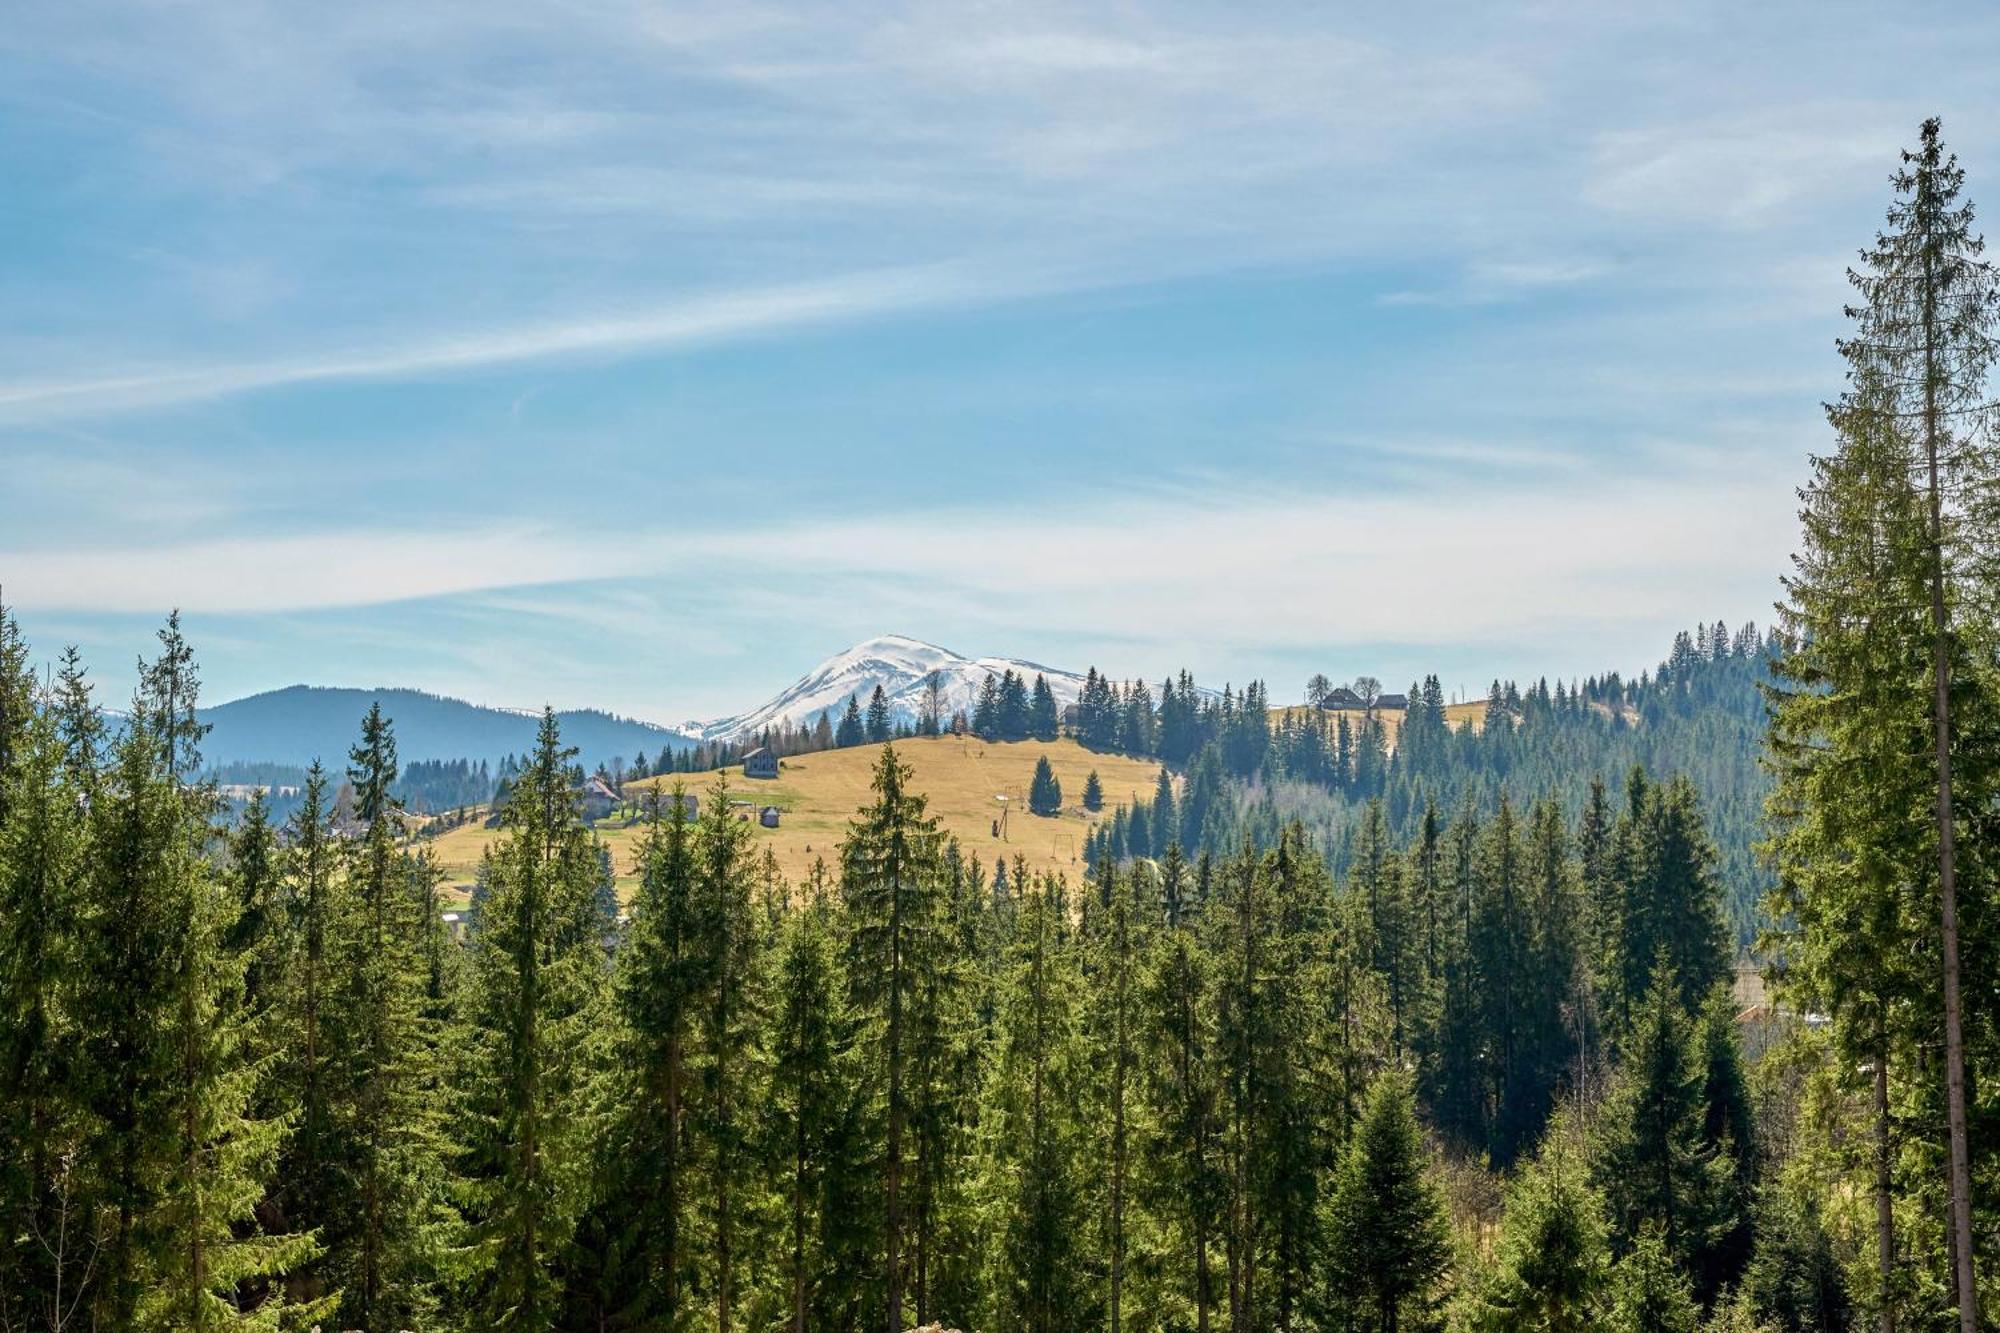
(1472, 710)
(819, 794)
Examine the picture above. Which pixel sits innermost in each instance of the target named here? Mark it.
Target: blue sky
(640, 355)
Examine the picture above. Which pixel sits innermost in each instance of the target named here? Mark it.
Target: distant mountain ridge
(300, 723)
(900, 665)
(295, 724)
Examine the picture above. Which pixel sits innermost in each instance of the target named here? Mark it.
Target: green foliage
(1552, 1263)
(1044, 792)
(536, 1021)
(1387, 1228)
(1182, 1094)
(1648, 1293)
(1794, 1283)
(1662, 1175)
(1038, 1158)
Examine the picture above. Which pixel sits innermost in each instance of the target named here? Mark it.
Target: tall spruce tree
(1183, 1165)
(1040, 1283)
(725, 1078)
(852, 731)
(1908, 498)
(1661, 1173)
(308, 1183)
(539, 995)
(1115, 950)
(1388, 1234)
(809, 1135)
(890, 883)
(44, 855)
(662, 974)
(381, 1233)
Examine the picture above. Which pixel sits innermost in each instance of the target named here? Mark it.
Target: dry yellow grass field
(1472, 710)
(819, 794)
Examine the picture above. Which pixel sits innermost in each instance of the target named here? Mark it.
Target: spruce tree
(1795, 1283)
(173, 1149)
(260, 931)
(1011, 717)
(380, 1234)
(1648, 1293)
(1043, 720)
(1388, 1237)
(1925, 327)
(661, 975)
(1896, 584)
(851, 731)
(879, 729)
(1551, 1261)
(889, 881)
(135, 915)
(309, 1179)
(986, 709)
(44, 855)
(1038, 1165)
(808, 1132)
(1656, 1164)
(1183, 1165)
(1115, 950)
(1044, 792)
(1093, 792)
(724, 1075)
(17, 700)
(539, 983)
(1670, 908)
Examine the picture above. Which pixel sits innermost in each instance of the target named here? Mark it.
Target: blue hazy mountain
(299, 723)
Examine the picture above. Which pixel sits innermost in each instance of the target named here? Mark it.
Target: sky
(638, 356)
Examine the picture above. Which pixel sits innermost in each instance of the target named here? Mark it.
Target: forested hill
(300, 723)
(1701, 713)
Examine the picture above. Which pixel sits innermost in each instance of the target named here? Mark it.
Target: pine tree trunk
(1202, 1279)
(671, 1183)
(895, 1155)
(1954, 1029)
(1118, 1144)
(799, 1225)
(725, 1231)
(1885, 1212)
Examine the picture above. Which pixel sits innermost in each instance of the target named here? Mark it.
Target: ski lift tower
(1001, 833)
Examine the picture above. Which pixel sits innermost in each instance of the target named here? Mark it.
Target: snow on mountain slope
(900, 666)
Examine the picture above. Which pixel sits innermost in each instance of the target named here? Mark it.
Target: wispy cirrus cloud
(1470, 560)
(697, 320)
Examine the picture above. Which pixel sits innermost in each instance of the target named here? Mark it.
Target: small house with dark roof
(760, 763)
(1399, 702)
(1340, 698)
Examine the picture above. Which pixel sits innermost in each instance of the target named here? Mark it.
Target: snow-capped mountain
(900, 666)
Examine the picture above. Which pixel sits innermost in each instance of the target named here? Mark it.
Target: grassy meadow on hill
(819, 793)
(1472, 710)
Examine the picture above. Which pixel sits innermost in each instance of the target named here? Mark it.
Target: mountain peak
(896, 663)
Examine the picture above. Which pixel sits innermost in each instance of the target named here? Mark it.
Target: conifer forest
(1658, 1002)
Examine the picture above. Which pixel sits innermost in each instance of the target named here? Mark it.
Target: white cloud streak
(694, 321)
(1475, 564)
